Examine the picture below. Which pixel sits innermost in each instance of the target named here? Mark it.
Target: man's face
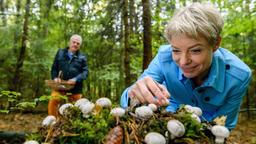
(193, 56)
(74, 44)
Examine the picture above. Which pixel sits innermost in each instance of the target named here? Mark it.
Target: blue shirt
(70, 55)
(219, 95)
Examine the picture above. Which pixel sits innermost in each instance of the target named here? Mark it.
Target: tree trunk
(147, 46)
(132, 15)
(16, 38)
(17, 73)
(127, 69)
(3, 7)
(17, 33)
(47, 5)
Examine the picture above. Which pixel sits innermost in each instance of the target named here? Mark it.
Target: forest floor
(244, 133)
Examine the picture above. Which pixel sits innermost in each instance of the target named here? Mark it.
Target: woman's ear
(217, 45)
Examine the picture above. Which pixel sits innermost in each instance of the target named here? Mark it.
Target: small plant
(8, 99)
(24, 106)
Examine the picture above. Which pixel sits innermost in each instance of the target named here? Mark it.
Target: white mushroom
(154, 138)
(80, 102)
(49, 121)
(117, 112)
(194, 116)
(144, 112)
(188, 108)
(64, 107)
(176, 128)
(195, 110)
(220, 132)
(104, 102)
(152, 106)
(31, 142)
(87, 108)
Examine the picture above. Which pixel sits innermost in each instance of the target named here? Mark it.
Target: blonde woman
(193, 69)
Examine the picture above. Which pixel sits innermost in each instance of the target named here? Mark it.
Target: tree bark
(126, 45)
(147, 38)
(46, 6)
(17, 73)
(3, 7)
(132, 15)
(17, 33)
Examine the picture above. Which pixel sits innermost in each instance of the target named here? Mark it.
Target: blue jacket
(220, 94)
(73, 68)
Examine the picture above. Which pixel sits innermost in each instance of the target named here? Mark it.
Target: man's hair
(76, 36)
(194, 21)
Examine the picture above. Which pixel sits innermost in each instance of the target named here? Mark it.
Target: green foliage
(23, 106)
(94, 126)
(8, 99)
(11, 96)
(74, 128)
(4, 111)
(46, 98)
(193, 127)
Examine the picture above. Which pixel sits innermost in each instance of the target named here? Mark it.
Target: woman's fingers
(164, 91)
(146, 90)
(158, 92)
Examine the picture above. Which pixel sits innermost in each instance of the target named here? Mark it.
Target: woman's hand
(147, 90)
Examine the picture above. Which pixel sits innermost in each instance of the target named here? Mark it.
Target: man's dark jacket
(76, 67)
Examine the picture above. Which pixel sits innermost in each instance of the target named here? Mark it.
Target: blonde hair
(194, 21)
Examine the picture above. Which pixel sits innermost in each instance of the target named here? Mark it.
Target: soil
(244, 133)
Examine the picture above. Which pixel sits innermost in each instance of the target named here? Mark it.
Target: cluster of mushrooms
(175, 128)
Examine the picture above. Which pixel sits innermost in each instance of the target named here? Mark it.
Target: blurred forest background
(120, 37)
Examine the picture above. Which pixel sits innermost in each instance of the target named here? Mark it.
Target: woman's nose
(185, 60)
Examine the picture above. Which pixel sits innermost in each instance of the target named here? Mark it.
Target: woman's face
(193, 56)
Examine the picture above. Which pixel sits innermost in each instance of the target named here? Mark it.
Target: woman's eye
(175, 51)
(196, 51)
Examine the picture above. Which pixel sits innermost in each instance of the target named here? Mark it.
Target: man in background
(69, 65)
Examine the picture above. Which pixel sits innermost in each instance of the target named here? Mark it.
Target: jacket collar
(76, 53)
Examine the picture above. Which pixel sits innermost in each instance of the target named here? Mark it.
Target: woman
(193, 69)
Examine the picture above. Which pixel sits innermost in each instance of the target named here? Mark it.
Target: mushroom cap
(80, 102)
(143, 112)
(49, 120)
(197, 111)
(152, 106)
(176, 128)
(220, 131)
(154, 138)
(188, 108)
(104, 102)
(31, 142)
(196, 117)
(118, 112)
(64, 107)
(87, 108)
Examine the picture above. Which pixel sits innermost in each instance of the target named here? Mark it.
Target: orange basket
(61, 86)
